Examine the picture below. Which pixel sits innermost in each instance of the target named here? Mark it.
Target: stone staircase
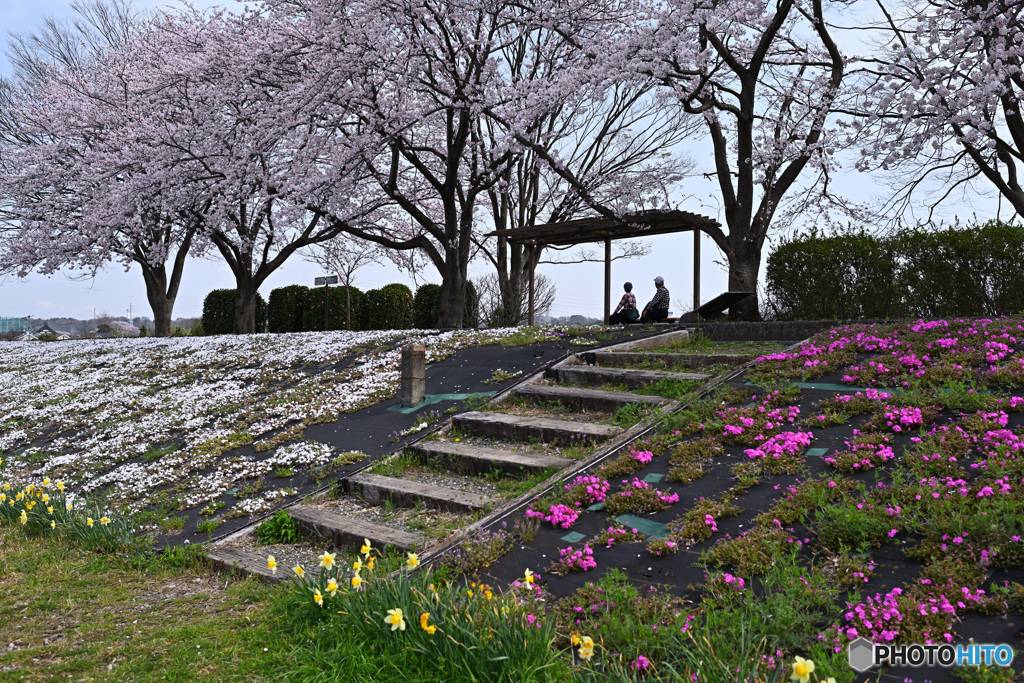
(554, 423)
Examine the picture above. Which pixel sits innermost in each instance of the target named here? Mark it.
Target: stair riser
(570, 376)
(224, 563)
(470, 465)
(311, 525)
(665, 360)
(377, 495)
(524, 433)
(598, 404)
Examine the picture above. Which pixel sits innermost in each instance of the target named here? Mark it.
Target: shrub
(915, 272)
(388, 308)
(427, 305)
(832, 278)
(338, 317)
(219, 312)
(284, 309)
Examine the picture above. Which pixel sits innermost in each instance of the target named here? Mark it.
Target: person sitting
(625, 312)
(657, 309)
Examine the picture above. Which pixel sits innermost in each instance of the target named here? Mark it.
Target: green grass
(71, 613)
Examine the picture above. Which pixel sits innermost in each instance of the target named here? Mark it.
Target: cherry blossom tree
(760, 82)
(944, 105)
(75, 184)
(247, 126)
(435, 67)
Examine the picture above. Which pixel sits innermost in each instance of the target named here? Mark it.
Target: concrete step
(622, 359)
(481, 460)
(376, 489)
(523, 428)
(236, 561)
(342, 530)
(590, 375)
(586, 399)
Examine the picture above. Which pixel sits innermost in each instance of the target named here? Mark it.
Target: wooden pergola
(584, 230)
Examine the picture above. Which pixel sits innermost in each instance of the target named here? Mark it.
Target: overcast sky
(579, 287)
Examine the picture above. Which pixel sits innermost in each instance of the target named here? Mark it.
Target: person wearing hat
(657, 309)
(627, 304)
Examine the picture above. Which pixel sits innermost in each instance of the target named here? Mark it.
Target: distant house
(47, 330)
(26, 336)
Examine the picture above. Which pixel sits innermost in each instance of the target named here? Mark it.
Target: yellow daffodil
(272, 564)
(427, 627)
(357, 580)
(327, 559)
(369, 562)
(529, 577)
(7, 486)
(89, 521)
(357, 565)
(317, 598)
(366, 548)
(469, 592)
(30, 504)
(49, 509)
(19, 495)
(332, 586)
(69, 507)
(396, 619)
(45, 498)
(105, 521)
(586, 650)
(299, 570)
(53, 524)
(575, 640)
(24, 517)
(46, 481)
(60, 486)
(802, 670)
(412, 560)
(488, 594)
(3, 497)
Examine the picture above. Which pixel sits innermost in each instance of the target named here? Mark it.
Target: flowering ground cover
(869, 482)
(829, 509)
(206, 432)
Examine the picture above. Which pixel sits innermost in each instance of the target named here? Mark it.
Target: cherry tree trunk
(744, 266)
(453, 296)
(245, 308)
(159, 300)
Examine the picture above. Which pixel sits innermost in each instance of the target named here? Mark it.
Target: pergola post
(696, 269)
(533, 264)
(607, 280)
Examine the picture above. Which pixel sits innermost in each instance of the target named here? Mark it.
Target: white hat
(659, 280)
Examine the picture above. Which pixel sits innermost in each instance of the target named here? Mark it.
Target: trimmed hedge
(337, 308)
(427, 307)
(219, 312)
(284, 309)
(388, 308)
(972, 271)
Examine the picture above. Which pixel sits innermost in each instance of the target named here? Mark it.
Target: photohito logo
(863, 655)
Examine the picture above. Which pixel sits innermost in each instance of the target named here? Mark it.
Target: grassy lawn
(71, 613)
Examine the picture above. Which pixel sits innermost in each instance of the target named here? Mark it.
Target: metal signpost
(325, 281)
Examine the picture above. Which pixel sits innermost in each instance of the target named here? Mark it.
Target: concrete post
(414, 374)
